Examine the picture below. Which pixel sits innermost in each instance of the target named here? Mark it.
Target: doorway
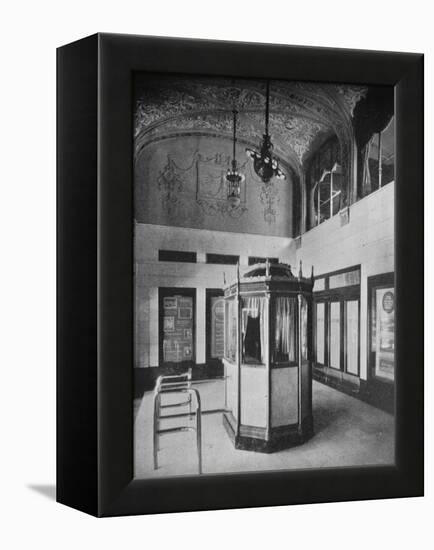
(337, 325)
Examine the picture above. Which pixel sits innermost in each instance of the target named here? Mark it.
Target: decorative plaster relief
(210, 192)
(182, 182)
(299, 111)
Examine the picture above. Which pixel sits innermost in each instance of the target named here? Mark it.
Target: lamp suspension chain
(235, 133)
(267, 107)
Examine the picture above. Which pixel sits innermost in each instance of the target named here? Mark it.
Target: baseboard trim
(379, 395)
(369, 392)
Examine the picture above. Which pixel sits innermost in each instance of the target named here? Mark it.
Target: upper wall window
(325, 182)
(176, 256)
(374, 130)
(347, 278)
(227, 259)
(333, 281)
(379, 159)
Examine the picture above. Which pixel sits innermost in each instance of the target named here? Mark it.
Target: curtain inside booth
(284, 335)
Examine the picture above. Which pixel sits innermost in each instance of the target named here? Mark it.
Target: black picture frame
(95, 283)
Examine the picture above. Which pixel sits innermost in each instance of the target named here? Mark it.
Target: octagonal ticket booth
(267, 360)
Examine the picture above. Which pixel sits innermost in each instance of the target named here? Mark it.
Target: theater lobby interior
(263, 275)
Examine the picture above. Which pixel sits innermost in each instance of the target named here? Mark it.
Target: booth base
(251, 438)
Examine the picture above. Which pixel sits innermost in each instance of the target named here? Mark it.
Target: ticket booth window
(254, 316)
(231, 329)
(285, 329)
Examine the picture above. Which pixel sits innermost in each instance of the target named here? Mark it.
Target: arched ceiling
(301, 114)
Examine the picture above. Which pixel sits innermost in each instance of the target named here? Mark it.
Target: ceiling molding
(300, 113)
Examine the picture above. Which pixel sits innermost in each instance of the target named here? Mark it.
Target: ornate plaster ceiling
(301, 114)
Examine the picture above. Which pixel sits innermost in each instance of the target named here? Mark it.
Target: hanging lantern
(265, 164)
(233, 177)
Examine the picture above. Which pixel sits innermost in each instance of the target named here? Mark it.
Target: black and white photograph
(217, 255)
(264, 290)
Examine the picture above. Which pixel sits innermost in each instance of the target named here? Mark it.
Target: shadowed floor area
(347, 432)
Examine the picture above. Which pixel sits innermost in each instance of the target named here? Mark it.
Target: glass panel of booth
(231, 329)
(285, 312)
(304, 329)
(254, 329)
(320, 327)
